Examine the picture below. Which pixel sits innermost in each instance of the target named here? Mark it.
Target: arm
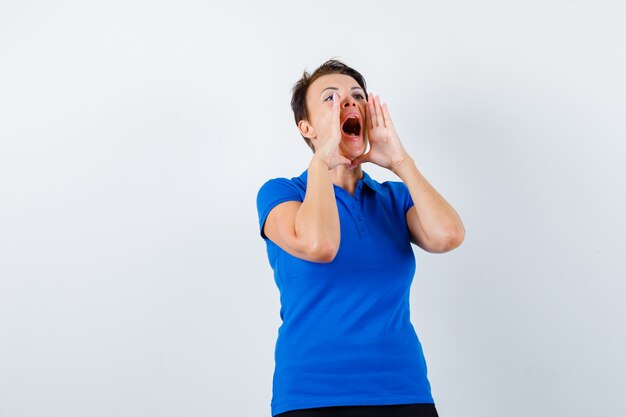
(310, 230)
(433, 223)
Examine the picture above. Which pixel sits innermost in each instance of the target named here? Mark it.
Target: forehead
(332, 80)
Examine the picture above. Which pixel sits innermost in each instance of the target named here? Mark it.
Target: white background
(135, 135)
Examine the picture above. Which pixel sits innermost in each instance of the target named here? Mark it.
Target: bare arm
(310, 230)
(434, 224)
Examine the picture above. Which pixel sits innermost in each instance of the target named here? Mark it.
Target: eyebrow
(336, 89)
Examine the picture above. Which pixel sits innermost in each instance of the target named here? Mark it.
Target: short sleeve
(401, 195)
(271, 194)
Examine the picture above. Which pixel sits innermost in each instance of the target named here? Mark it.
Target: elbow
(456, 238)
(323, 252)
(451, 239)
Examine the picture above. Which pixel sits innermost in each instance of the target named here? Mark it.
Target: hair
(300, 88)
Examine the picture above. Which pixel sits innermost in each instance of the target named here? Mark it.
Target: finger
(372, 111)
(379, 112)
(336, 111)
(387, 117)
(359, 160)
(344, 161)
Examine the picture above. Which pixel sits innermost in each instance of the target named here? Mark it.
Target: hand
(386, 150)
(327, 146)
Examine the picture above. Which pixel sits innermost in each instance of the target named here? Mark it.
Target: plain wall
(134, 136)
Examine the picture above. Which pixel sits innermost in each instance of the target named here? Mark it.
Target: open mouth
(352, 126)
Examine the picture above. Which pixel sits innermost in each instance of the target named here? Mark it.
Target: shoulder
(394, 193)
(277, 190)
(282, 185)
(388, 189)
(395, 188)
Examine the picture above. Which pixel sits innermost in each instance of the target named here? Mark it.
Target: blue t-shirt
(346, 336)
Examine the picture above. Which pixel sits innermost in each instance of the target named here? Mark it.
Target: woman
(340, 247)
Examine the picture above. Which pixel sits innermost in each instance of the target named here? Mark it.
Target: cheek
(324, 116)
(363, 109)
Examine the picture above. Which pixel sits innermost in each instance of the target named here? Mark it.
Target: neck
(347, 178)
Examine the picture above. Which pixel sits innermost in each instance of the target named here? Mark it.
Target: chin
(353, 148)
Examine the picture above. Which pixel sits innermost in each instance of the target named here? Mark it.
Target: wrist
(401, 162)
(320, 162)
(399, 166)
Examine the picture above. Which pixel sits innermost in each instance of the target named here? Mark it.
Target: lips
(351, 125)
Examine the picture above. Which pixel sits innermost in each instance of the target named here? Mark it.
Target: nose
(350, 101)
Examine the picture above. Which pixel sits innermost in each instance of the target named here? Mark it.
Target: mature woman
(339, 243)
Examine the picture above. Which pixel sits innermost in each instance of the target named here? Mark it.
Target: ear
(307, 130)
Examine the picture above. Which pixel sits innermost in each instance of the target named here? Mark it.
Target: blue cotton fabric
(346, 336)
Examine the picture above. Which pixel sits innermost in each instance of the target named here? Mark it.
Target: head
(312, 102)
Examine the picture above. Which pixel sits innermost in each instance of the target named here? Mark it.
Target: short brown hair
(300, 88)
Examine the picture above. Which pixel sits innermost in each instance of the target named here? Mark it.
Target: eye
(329, 98)
(359, 96)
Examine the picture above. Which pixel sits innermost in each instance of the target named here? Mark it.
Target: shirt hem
(290, 406)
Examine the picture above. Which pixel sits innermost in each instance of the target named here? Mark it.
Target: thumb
(359, 160)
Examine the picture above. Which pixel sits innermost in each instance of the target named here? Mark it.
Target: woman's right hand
(327, 147)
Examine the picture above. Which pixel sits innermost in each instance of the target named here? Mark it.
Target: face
(353, 105)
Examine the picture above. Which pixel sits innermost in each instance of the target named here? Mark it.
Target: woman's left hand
(386, 150)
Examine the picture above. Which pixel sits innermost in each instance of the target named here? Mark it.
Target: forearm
(317, 220)
(437, 218)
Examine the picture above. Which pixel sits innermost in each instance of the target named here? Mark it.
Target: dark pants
(403, 410)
